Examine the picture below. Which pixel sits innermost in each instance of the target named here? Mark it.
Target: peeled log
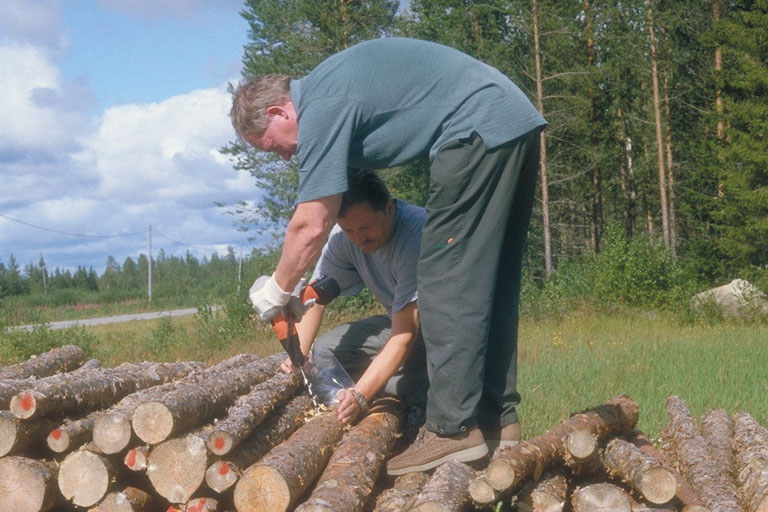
(275, 482)
(354, 467)
(625, 461)
(250, 410)
(446, 490)
(684, 492)
(92, 389)
(194, 403)
(129, 499)
(56, 360)
(717, 431)
(751, 443)
(85, 476)
(27, 485)
(683, 441)
(223, 474)
(528, 459)
(176, 467)
(546, 495)
(602, 497)
(403, 494)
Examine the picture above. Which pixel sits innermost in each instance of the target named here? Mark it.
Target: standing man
(383, 103)
(375, 245)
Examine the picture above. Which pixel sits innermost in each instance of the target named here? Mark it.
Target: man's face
(366, 228)
(281, 134)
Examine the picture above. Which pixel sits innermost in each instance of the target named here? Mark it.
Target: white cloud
(36, 22)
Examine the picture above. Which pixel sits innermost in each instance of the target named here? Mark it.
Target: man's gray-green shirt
(388, 101)
(389, 272)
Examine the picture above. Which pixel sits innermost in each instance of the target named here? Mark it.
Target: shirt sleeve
(326, 128)
(335, 263)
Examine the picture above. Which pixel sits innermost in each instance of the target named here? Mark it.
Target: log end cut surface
(58, 440)
(177, 467)
(83, 478)
(262, 488)
(152, 422)
(658, 485)
(25, 485)
(8, 433)
(112, 433)
(24, 405)
(221, 475)
(602, 497)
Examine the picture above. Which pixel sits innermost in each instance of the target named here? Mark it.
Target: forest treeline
(654, 169)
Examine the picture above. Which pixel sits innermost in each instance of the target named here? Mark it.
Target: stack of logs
(240, 435)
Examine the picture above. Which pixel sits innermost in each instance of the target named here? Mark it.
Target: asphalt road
(64, 324)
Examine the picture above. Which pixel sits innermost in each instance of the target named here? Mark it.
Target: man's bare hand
(287, 366)
(352, 404)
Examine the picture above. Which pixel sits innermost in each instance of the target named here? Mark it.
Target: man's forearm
(304, 239)
(308, 327)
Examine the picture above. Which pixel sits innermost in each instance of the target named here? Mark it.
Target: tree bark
(601, 497)
(176, 467)
(27, 485)
(683, 441)
(547, 495)
(130, 499)
(56, 360)
(658, 125)
(72, 434)
(717, 430)
(625, 461)
(92, 389)
(684, 493)
(751, 444)
(250, 410)
(402, 495)
(446, 490)
(529, 458)
(193, 403)
(225, 473)
(354, 467)
(11, 387)
(85, 477)
(598, 219)
(276, 482)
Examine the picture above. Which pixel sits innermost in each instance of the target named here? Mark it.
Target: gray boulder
(737, 299)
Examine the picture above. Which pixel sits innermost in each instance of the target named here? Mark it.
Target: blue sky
(111, 115)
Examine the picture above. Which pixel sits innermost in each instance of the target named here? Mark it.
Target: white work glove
(269, 300)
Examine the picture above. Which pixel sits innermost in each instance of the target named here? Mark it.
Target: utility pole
(149, 266)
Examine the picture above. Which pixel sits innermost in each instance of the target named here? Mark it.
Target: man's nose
(285, 156)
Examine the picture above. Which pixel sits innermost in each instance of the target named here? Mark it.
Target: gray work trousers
(470, 268)
(355, 344)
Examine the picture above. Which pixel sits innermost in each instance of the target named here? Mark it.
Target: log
(481, 491)
(17, 436)
(136, 459)
(130, 499)
(446, 490)
(11, 387)
(684, 493)
(683, 441)
(193, 403)
(623, 460)
(717, 431)
(250, 410)
(92, 389)
(27, 485)
(546, 495)
(528, 459)
(56, 360)
(223, 474)
(202, 505)
(85, 477)
(354, 467)
(72, 434)
(751, 446)
(275, 482)
(176, 467)
(600, 497)
(402, 495)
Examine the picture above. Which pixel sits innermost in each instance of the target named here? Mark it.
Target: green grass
(586, 357)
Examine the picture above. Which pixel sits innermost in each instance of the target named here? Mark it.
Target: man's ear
(277, 110)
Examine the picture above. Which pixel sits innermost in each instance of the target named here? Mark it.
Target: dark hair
(364, 187)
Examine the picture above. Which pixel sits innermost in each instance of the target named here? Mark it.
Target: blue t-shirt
(388, 101)
(389, 272)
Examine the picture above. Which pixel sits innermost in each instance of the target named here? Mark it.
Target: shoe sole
(467, 455)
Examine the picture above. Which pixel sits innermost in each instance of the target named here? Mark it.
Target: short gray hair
(252, 98)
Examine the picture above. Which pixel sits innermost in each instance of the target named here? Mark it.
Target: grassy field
(565, 365)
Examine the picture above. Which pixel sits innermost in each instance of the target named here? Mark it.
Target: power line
(68, 233)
